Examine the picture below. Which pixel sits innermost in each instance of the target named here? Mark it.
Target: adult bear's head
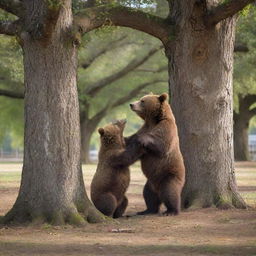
(152, 107)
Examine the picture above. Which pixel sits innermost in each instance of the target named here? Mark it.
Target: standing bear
(162, 162)
(110, 182)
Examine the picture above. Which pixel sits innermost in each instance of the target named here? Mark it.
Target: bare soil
(198, 232)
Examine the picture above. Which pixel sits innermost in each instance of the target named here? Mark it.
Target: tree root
(94, 216)
(238, 201)
(222, 202)
(71, 216)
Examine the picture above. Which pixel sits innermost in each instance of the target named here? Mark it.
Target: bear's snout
(131, 105)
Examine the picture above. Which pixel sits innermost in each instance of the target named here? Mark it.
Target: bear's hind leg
(121, 208)
(106, 204)
(151, 199)
(170, 195)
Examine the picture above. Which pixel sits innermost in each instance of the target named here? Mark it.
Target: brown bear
(162, 162)
(110, 183)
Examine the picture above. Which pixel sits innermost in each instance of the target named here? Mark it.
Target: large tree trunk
(200, 68)
(52, 187)
(241, 126)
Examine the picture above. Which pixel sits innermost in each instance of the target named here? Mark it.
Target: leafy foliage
(244, 68)
(245, 63)
(11, 77)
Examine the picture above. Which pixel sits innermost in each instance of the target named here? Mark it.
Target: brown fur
(162, 163)
(110, 183)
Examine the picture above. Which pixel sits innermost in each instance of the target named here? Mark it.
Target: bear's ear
(163, 97)
(101, 131)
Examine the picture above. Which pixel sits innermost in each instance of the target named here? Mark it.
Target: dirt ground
(198, 232)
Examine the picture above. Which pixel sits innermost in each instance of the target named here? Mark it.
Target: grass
(10, 175)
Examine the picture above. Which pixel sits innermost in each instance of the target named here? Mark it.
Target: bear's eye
(142, 101)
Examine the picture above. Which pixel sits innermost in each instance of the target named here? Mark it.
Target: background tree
(125, 78)
(198, 37)
(11, 85)
(97, 75)
(244, 85)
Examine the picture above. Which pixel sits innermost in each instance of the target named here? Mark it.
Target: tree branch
(241, 48)
(135, 92)
(92, 18)
(252, 112)
(9, 28)
(159, 70)
(249, 99)
(225, 10)
(97, 117)
(11, 94)
(114, 44)
(93, 89)
(12, 6)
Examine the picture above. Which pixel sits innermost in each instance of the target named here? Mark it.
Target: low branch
(112, 45)
(96, 87)
(92, 18)
(241, 48)
(12, 6)
(133, 93)
(11, 94)
(98, 116)
(245, 102)
(249, 99)
(159, 70)
(103, 51)
(252, 112)
(9, 28)
(225, 10)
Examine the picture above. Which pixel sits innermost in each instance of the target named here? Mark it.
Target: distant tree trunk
(52, 187)
(200, 68)
(87, 129)
(241, 126)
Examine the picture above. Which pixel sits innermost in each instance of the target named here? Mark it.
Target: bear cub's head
(151, 106)
(111, 135)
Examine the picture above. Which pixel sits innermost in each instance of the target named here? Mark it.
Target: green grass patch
(10, 176)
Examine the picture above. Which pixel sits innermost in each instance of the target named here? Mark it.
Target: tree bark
(52, 188)
(200, 69)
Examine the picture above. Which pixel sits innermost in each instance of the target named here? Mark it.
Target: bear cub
(110, 182)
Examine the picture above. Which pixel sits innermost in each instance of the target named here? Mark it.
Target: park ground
(195, 232)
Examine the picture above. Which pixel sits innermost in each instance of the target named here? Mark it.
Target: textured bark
(200, 68)
(52, 188)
